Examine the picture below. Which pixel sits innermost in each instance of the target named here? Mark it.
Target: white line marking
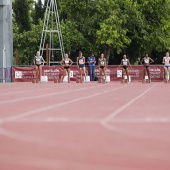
(45, 95)
(115, 113)
(91, 120)
(57, 120)
(142, 120)
(35, 111)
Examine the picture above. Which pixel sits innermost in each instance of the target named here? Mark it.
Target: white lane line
(45, 95)
(57, 120)
(142, 120)
(116, 112)
(91, 120)
(45, 108)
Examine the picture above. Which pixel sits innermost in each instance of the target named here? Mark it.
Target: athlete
(81, 65)
(66, 62)
(166, 62)
(38, 61)
(102, 67)
(146, 62)
(125, 63)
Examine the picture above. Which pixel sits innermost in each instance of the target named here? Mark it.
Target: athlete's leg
(104, 72)
(144, 73)
(84, 71)
(36, 72)
(165, 73)
(127, 73)
(148, 72)
(40, 72)
(123, 72)
(64, 74)
(168, 73)
(101, 71)
(68, 72)
(80, 69)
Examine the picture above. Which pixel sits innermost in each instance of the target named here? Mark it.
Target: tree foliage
(38, 12)
(21, 11)
(112, 27)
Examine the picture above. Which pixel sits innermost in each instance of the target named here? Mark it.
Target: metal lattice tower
(51, 33)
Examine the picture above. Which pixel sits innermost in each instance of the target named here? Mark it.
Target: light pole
(6, 38)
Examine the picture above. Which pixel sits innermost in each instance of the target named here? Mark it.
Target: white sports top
(66, 61)
(167, 61)
(146, 60)
(125, 62)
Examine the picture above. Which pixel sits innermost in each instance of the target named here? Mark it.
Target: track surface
(88, 126)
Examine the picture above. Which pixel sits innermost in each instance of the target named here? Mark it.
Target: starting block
(65, 79)
(87, 79)
(107, 79)
(44, 79)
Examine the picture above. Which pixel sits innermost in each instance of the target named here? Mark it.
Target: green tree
(39, 12)
(27, 43)
(148, 26)
(82, 15)
(112, 27)
(112, 33)
(21, 11)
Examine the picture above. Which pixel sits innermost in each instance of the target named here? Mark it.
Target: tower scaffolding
(51, 33)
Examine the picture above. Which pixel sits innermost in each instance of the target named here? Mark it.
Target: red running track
(88, 126)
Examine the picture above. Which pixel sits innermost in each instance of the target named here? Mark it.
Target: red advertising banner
(136, 73)
(26, 74)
